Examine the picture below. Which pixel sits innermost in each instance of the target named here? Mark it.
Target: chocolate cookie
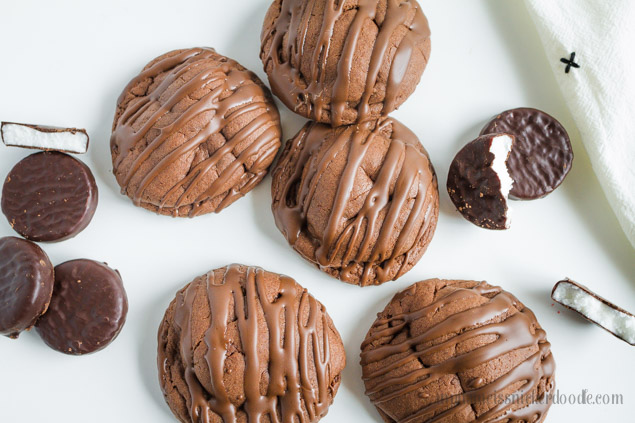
(542, 153)
(360, 202)
(26, 285)
(88, 308)
(479, 181)
(49, 196)
(192, 133)
(242, 344)
(344, 62)
(457, 351)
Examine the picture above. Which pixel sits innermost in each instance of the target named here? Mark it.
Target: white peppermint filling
(500, 147)
(17, 135)
(617, 322)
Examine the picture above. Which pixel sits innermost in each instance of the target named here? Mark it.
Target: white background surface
(65, 63)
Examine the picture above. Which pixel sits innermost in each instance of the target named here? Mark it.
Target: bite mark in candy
(542, 155)
(479, 181)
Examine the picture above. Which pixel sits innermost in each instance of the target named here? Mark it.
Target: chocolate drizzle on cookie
(378, 243)
(297, 382)
(195, 83)
(308, 91)
(450, 347)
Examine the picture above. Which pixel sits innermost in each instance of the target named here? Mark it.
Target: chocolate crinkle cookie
(192, 133)
(361, 202)
(342, 62)
(241, 344)
(457, 351)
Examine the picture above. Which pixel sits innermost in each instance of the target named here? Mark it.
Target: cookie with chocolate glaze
(192, 133)
(459, 351)
(240, 344)
(361, 202)
(344, 62)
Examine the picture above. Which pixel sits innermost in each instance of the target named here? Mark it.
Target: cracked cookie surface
(347, 61)
(457, 351)
(192, 133)
(240, 344)
(361, 202)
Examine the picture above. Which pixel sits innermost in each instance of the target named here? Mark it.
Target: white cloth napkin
(600, 93)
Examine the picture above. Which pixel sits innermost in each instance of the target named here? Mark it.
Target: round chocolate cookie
(49, 196)
(192, 133)
(542, 153)
(88, 308)
(360, 202)
(241, 344)
(344, 62)
(457, 351)
(26, 285)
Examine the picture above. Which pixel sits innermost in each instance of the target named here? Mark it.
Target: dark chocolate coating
(88, 308)
(475, 188)
(542, 153)
(26, 285)
(49, 196)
